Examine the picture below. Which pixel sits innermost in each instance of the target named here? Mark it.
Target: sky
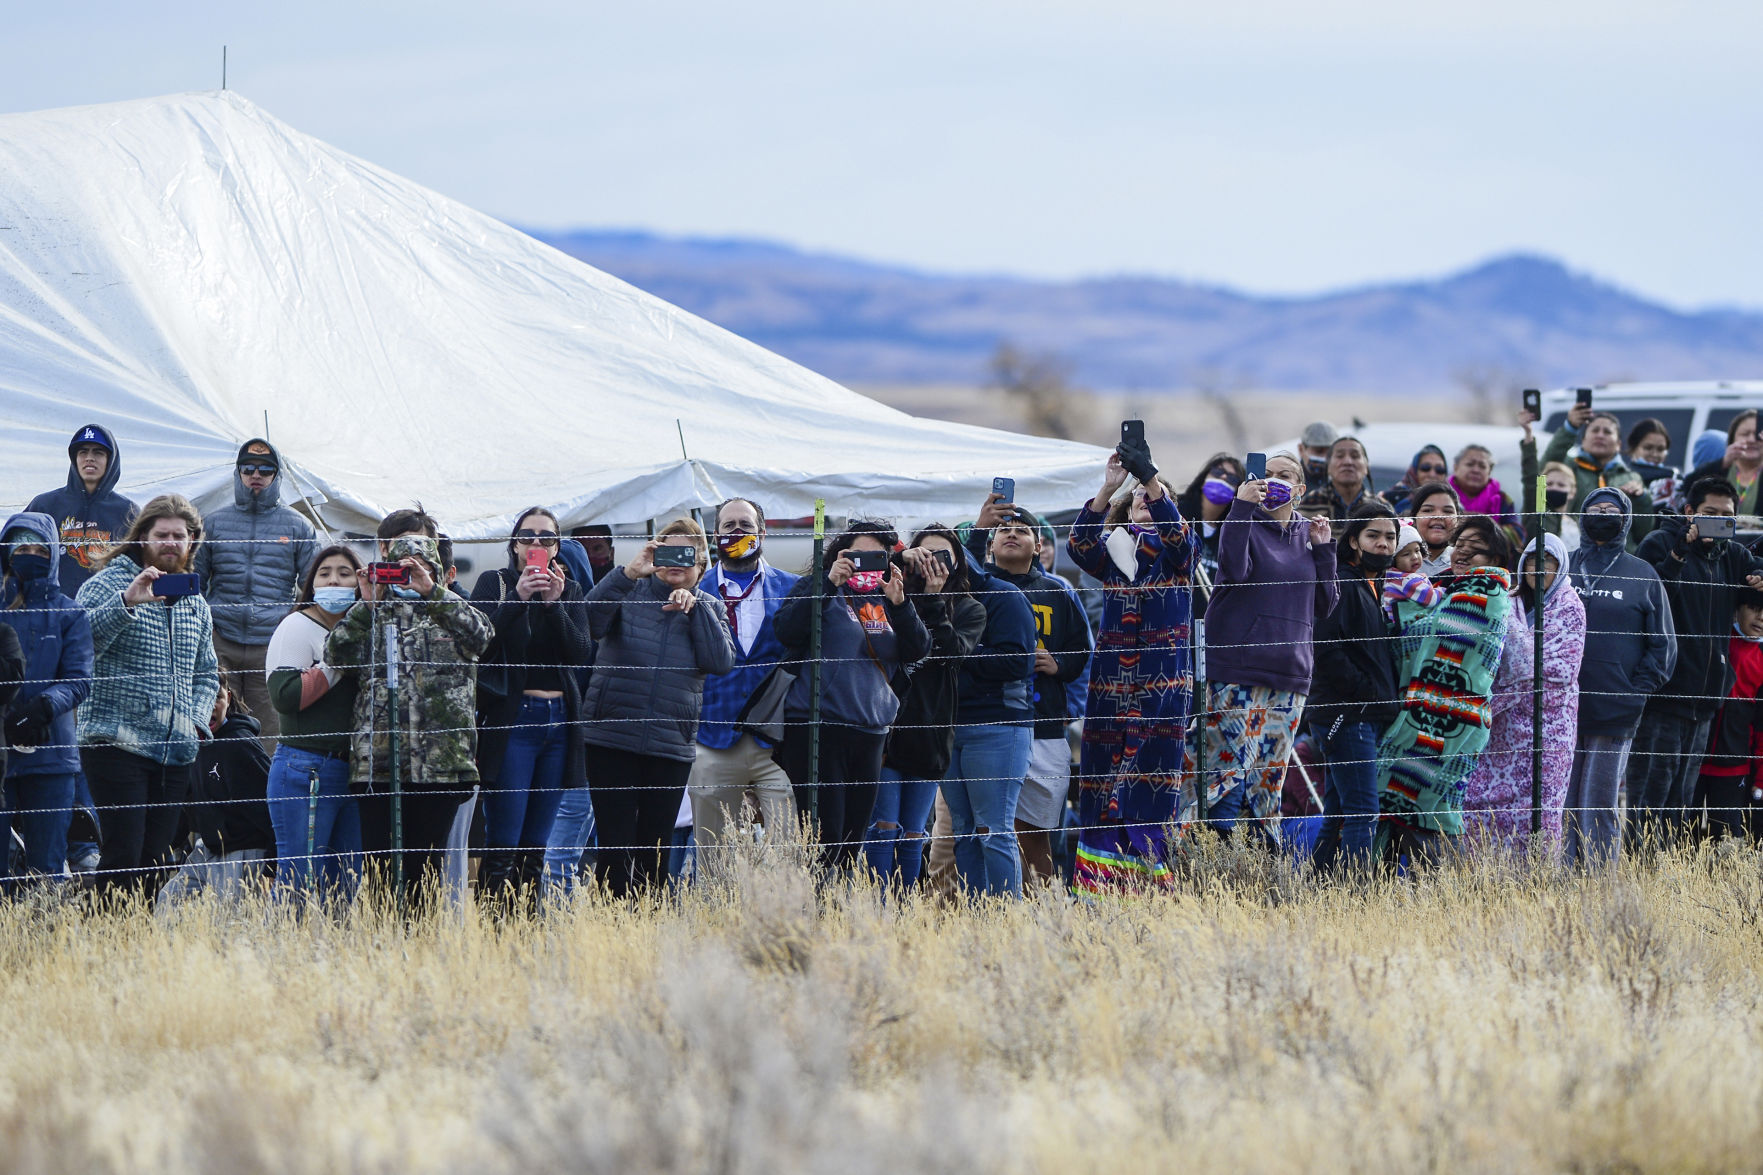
(1275, 146)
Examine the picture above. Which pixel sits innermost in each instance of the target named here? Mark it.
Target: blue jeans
(572, 832)
(1349, 792)
(332, 826)
(906, 804)
(41, 805)
(984, 779)
(519, 810)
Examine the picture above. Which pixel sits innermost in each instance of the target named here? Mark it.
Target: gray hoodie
(1630, 645)
(253, 554)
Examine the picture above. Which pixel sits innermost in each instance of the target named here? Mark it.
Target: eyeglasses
(545, 538)
(258, 470)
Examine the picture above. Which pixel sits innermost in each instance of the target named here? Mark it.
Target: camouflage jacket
(439, 641)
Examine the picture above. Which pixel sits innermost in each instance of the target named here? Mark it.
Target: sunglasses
(545, 538)
(258, 470)
(1436, 469)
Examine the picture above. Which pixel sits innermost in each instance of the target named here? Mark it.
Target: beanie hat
(1710, 446)
(1406, 536)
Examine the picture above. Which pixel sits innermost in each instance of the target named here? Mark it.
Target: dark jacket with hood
(11, 673)
(1060, 626)
(997, 678)
(922, 740)
(1354, 678)
(252, 556)
(88, 522)
(1272, 588)
(1631, 642)
(1703, 581)
(530, 633)
(866, 642)
(56, 639)
(228, 805)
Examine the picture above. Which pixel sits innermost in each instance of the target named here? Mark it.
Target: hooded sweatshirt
(253, 554)
(1058, 626)
(88, 522)
(1631, 643)
(57, 644)
(1702, 580)
(1355, 672)
(1272, 588)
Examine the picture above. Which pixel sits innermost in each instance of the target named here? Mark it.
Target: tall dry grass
(1502, 1020)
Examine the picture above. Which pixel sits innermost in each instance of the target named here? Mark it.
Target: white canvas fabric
(175, 268)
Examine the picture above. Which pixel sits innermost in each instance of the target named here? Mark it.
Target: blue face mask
(335, 600)
(30, 567)
(1741, 634)
(405, 593)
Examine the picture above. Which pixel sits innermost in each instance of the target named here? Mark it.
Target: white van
(1685, 408)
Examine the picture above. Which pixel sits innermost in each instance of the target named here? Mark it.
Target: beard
(168, 560)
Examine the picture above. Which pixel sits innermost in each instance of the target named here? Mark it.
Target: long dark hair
(876, 528)
(1363, 515)
(524, 515)
(309, 580)
(1188, 501)
(958, 582)
(1499, 547)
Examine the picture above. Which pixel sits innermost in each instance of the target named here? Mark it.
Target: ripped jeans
(898, 852)
(984, 779)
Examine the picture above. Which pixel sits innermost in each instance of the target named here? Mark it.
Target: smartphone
(1005, 488)
(1715, 526)
(1132, 432)
(172, 587)
(387, 573)
(1584, 395)
(946, 558)
(1533, 402)
(1256, 466)
(675, 555)
(868, 560)
(538, 557)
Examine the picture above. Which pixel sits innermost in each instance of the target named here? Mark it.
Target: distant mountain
(1513, 317)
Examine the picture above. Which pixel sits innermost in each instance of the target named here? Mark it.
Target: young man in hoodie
(251, 564)
(1009, 541)
(88, 511)
(1630, 651)
(1703, 579)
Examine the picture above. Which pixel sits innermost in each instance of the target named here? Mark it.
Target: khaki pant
(720, 784)
(244, 664)
(939, 860)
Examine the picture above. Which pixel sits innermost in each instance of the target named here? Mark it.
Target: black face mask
(1373, 563)
(1601, 528)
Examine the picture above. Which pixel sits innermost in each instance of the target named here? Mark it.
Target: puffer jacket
(252, 556)
(649, 666)
(88, 522)
(57, 643)
(154, 676)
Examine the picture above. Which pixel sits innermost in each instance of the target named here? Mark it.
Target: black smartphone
(1005, 488)
(172, 587)
(946, 558)
(1716, 526)
(868, 560)
(1584, 395)
(1256, 466)
(1555, 499)
(1533, 402)
(1132, 432)
(675, 555)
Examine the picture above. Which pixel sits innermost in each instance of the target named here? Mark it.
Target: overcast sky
(1271, 145)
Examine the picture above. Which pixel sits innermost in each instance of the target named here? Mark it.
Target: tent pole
(814, 664)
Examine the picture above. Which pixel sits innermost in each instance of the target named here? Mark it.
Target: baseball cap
(1319, 433)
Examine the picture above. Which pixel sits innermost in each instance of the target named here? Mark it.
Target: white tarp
(175, 268)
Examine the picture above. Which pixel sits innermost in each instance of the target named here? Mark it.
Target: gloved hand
(1677, 526)
(32, 724)
(1136, 460)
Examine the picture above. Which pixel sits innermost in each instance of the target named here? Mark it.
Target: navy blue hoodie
(89, 522)
(57, 641)
(997, 677)
(1631, 642)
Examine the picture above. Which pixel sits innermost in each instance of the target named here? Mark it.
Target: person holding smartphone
(1596, 461)
(154, 681)
(658, 634)
(530, 744)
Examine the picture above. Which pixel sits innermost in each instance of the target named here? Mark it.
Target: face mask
(1601, 528)
(335, 600)
(30, 567)
(1316, 464)
(1374, 563)
(1740, 633)
(405, 593)
(1278, 494)
(738, 546)
(865, 581)
(1218, 492)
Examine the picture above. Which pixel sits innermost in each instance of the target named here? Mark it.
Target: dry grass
(1502, 1021)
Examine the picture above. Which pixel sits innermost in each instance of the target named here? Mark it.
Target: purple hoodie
(1272, 586)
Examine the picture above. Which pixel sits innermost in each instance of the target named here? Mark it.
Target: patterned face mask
(865, 581)
(1278, 494)
(737, 546)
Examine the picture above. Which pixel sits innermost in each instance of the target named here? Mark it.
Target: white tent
(178, 268)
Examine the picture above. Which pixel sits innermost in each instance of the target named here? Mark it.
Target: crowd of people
(941, 708)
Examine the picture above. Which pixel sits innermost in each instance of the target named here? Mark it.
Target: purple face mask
(1278, 494)
(1218, 491)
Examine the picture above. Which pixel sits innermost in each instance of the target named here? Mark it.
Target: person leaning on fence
(1741, 463)
(1703, 577)
(1276, 579)
(57, 642)
(154, 681)
(437, 638)
(531, 746)
(1141, 680)
(1630, 652)
(658, 635)
(1435, 512)
(871, 634)
(922, 739)
(1012, 538)
(1731, 782)
(732, 763)
(253, 554)
(316, 819)
(1353, 696)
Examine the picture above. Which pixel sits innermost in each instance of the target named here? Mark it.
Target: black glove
(32, 724)
(1136, 460)
(1677, 526)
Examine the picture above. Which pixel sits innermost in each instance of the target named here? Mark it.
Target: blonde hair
(694, 532)
(1555, 467)
(164, 507)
